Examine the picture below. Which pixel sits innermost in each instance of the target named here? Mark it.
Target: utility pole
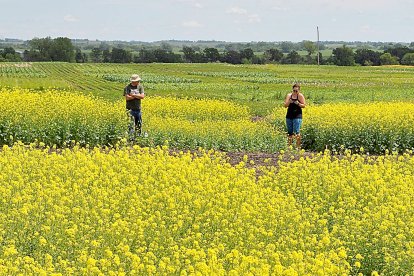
(317, 43)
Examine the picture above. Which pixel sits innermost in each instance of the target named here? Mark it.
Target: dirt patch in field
(257, 159)
(257, 118)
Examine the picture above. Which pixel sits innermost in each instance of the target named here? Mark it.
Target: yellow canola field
(211, 124)
(145, 211)
(58, 117)
(375, 127)
(194, 109)
(63, 119)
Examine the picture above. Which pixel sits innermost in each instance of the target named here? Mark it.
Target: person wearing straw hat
(134, 93)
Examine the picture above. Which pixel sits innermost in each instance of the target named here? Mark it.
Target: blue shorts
(293, 125)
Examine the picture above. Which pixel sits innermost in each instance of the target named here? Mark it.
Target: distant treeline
(63, 49)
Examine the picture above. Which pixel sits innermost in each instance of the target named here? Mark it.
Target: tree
(193, 54)
(62, 49)
(120, 56)
(46, 49)
(388, 59)
(309, 46)
(247, 53)
(343, 56)
(292, 58)
(80, 57)
(212, 54)
(273, 55)
(408, 59)
(189, 54)
(232, 57)
(398, 51)
(106, 56)
(166, 47)
(145, 56)
(321, 60)
(96, 55)
(367, 57)
(42, 46)
(166, 57)
(31, 55)
(9, 54)
(287, 46)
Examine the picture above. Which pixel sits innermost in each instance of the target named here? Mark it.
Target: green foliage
(343, 56)
(408, 59)
(261, 87)
(47, 49)
(9, 54)
(388, 59)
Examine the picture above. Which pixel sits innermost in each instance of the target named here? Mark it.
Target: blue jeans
(136, 121)
(293, 126)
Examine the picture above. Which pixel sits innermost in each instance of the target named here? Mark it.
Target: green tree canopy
(47, 49)
(343, 56)
(309, 46)
(408, 59)
(388, 59)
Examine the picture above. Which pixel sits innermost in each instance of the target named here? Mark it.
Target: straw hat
(135, 77)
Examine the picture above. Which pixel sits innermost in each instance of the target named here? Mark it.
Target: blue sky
(238, 21)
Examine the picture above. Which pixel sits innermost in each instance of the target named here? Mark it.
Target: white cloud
(251, 18)
(70, 18)
(366, 28)
(237, 10)
(193, 3)
(280, 8)
(254, 18)
(191, 24)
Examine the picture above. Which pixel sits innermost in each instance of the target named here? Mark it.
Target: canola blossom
(364, 203)
(211, 124)
(145, 211)
(375, 127)
(233, 135)
(195, 109)
(58, 117)
(64, 118)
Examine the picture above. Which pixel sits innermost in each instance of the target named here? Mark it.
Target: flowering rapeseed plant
(63, 118)
(144, 211)
(58, 117)
(376, 127)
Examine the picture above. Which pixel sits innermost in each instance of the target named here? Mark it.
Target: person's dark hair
(296, 85)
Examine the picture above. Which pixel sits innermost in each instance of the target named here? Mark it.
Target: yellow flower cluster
(195, 109)
(58, 117)
(64, 118)
(364, 203)
(144, 211)
(213, 124)
(376, 127)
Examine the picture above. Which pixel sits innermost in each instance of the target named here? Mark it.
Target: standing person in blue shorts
(134, 93)
(294, 102)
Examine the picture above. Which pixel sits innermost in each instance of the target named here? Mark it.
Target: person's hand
(297, 102)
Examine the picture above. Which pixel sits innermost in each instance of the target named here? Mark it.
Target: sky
(220, 20)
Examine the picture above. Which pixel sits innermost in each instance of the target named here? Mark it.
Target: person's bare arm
(287, 100)
(140, 96)
(129, 97)
(302, 101)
